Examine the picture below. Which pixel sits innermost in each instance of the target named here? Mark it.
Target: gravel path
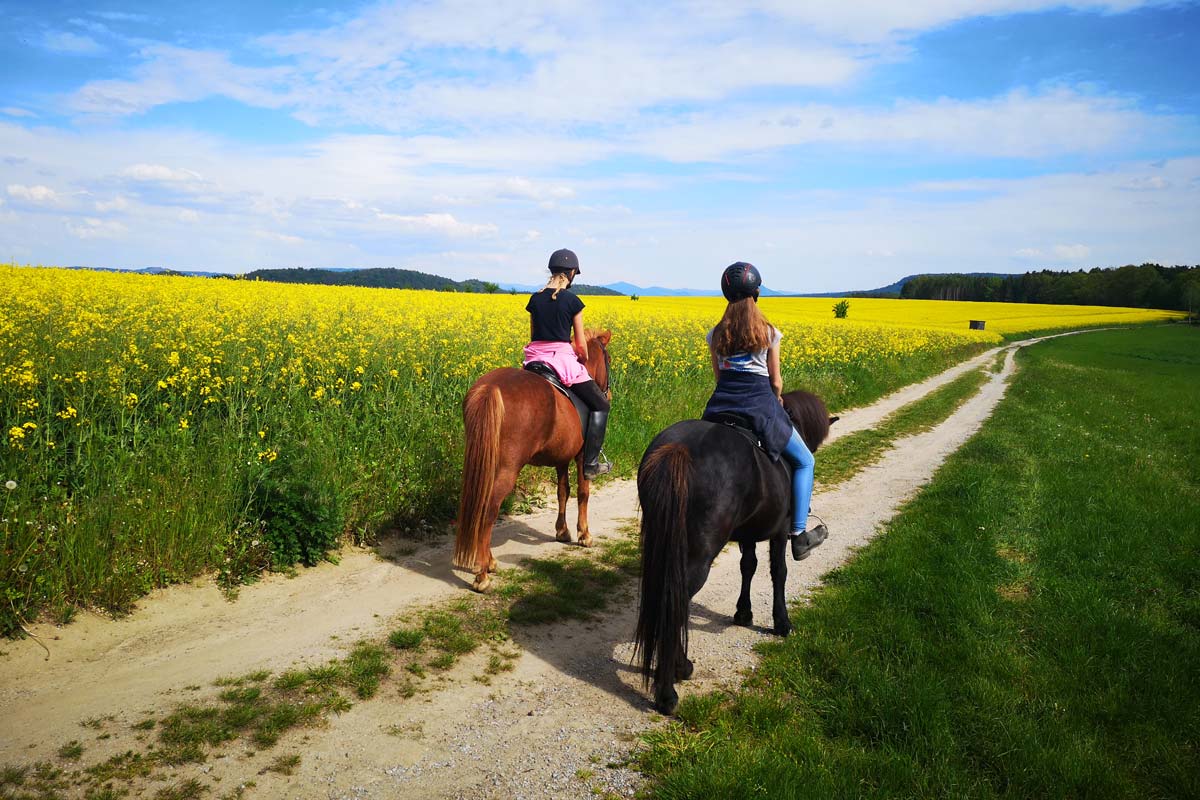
(550, 729)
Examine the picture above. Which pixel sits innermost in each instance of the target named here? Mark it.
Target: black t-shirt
(552, 318)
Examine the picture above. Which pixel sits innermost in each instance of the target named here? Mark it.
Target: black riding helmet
(740, 280)
(564, 261)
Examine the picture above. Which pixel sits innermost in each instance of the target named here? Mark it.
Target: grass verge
(842, 459)
(1028, 627)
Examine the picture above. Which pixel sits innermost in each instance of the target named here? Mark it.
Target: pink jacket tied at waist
(561, 356)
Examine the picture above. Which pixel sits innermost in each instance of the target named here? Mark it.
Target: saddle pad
(544, 370)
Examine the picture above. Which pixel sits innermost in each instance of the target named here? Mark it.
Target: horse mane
(809, 416)
(591, 334)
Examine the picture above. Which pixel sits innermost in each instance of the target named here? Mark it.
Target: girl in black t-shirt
(555, 319)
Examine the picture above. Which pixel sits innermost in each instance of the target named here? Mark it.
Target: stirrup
(602, 467)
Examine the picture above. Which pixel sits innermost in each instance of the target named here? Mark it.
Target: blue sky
(836, 145)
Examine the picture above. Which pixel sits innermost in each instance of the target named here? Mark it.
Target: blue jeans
(802, 460)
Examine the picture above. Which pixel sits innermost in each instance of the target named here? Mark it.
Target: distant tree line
(1145, 286)
(391, 278)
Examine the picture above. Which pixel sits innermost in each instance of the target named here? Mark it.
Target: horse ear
(604, 337)
(833, 420)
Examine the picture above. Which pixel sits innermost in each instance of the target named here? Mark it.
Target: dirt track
(572, 704)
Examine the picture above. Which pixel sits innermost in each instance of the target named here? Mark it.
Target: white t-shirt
(755, 363)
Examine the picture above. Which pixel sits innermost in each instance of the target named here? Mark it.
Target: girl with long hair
(745, 359)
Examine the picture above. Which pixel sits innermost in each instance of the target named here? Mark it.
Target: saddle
(544, 370)
(741, 424)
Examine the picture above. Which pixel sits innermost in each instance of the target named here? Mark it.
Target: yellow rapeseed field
(74, 344)
(143, 415)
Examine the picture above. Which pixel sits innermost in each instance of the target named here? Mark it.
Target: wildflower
(10, 485)
(268, 455)
(183, 423)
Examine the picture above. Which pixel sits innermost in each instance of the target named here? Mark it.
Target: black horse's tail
(661, 639)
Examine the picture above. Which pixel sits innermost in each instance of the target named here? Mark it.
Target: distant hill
(577, 288)
(392, 278)
(892, 289)
(621, 287)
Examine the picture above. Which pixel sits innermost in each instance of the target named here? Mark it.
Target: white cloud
(118, 203)
(444, 224)
(544, 64)
(13, 111)
(188, 215)
(1149, 183)
(68, 43)
(170, 74)
(159, 173)
(525, 188)
(1016, 125)
(38, 195)
(285, 238)
(875, 21)
(1071, 252)
(92, 228)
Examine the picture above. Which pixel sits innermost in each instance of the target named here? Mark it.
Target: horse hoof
(563, 536)
(585, 540)
(666, 705)
(492, 565)
(684, 671)
(744, 619)
(482, 582)
(783, 630)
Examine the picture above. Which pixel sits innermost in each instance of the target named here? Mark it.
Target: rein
(607, 387)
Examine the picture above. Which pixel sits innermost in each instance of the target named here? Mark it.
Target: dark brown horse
(513, 418)
(702, 484)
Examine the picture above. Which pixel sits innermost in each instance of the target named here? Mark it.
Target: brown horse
(513, 418)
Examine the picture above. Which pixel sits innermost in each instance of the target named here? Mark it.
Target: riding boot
(593, 439)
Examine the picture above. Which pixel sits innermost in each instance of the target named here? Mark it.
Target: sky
(835, 145)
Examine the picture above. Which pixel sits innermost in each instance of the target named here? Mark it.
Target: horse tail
(483, 411)
(660, 641)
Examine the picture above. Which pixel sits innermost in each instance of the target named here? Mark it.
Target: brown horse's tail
(483, 411)
(660, 642)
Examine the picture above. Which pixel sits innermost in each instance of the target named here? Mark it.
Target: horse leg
(697, 574)
(745, 615)
(778, 546)
(506, 479)
(562, 533)
(585, 492)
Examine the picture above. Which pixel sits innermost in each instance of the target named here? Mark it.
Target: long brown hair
(743, 329)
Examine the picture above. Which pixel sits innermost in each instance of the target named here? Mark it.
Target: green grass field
(1029, 626)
